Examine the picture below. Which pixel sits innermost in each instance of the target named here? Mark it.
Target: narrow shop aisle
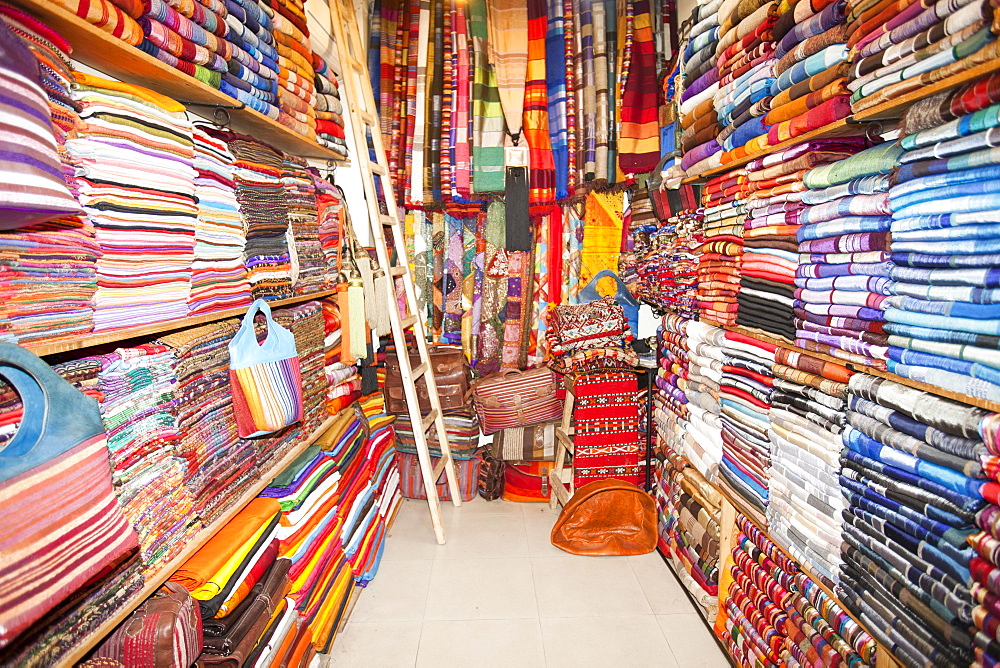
(498, 594)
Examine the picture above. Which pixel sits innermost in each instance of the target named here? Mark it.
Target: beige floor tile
(481, 589)
(663, 592)
(483, 643)
(412, 534)
(476, 536)
(376, 645)
(538, 521)
(605, 641)
(587, 587)
(397, 594)
(691, 642)
(480, 506)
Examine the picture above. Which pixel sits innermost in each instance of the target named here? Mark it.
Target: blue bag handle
(622, 296)
(57, 417)
(244, 350)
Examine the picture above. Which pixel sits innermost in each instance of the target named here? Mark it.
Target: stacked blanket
(722, 248)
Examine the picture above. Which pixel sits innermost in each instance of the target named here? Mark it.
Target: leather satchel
(164, 631)
(514, 398)
(607, 518)
(451, 374)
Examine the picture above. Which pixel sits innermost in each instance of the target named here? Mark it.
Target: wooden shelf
(106, 53)
(201, 538)
(933, 389)
(161, 327)
(891, 109)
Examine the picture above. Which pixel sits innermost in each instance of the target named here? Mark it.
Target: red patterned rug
(606, 417)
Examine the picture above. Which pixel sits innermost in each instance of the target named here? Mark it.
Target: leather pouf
(607, 518)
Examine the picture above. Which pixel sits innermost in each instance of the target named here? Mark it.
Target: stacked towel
(296, 88)
(303, 220)
(699, 123)
(703, 436)
(722, 249)
(328, 109)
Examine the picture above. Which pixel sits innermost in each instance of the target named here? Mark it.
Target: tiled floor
(498, 594)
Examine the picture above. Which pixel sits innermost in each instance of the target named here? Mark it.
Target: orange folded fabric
(207, 561)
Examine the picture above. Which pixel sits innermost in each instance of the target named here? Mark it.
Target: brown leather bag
(451, 374)
(607, 518)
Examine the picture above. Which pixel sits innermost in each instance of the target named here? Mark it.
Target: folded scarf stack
(771, 613)
(669, 400)
(943, 313)
(745, 397)
(50, 269)
(343, 380)
(703, 435)
(913, 471)
(844, 273)
(746, 58)
(296, 88)
(722, 248)
(698, 123)
(300, 191)
(252, 71)
(136, 181)
(218, 275)
(807, 418)
(329, 211)
(668, 272)
(462, 431)
(984, 564)
(900, 46)
(774, 216)
(188, 36)
(109, 17)
(328, 108)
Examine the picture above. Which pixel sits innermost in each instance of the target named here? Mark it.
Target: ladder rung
(367, 118)
(397, 271)
(439, 469)
(377, 168)
(387, 220)
(419, 371)
(429, 420)
(408, 321)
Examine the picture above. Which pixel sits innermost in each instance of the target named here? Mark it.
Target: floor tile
(587, 587)
(481, 589)
(538, 521)
(480, 506)
(483, 643)
(412, 534)
(663, 592)
(397, 594)
(580, 642)
(692, 644)
(364, 644)
(476, 536)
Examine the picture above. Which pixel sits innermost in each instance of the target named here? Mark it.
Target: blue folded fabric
(814, 64)
(959, 246)
(753, 128)
(844, 225)
(934, 260)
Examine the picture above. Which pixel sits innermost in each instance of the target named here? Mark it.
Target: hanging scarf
(435, 93)
(461, 156)
(602, 234)
(375, 32)
(573, 243)
(508, 49)
(519, 307)
(438, 247)
(601, 84)
(614, 24)
(487, 114)
(569, 53)
(494, 291)
(469, 277)
(544, 280)
(452, 281)
(416, 145)
(479, 286)
(639, 139)
(586, 93)
(399, 110)
(542, 175)
(555, 76)
(388, 27)
(442, 186)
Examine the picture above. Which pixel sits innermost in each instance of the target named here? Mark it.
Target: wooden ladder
(370, 159)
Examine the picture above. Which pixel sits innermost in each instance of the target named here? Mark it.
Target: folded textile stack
(328, 109)
(139, 192)
(699, 123)
(330, 212)
(252, 76)
(108, 17)
(771, 613)
(296, 89)
(218, 275)
(204, 403)
(984, 567)
(462, 433)
(238, 581)
(189, 36)
(303, 219)
(689, 531)
(902, 46)
(810, 74)
(668, 274)
(774, 215)
(722, 248)
(50, 269)
(843, 277)
(942, 316)
(912, 474)
(343, 380)
(746, 60)
(138, 409)
(639, 224)
(606, 419)
(807, 418)
(258, 170)
(305, 322)
(703, 436)
(669, 400)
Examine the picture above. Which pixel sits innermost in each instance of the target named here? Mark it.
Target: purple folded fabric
(700, 84)
(847, 243)
(699, 153)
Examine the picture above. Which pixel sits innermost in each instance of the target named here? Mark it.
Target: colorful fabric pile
(807, 418)
(722, 248)
(50, 269)
(191, 38)
(703, 436)
(670, 409)
(330, 212)
(108, 17)
(942, 315)
(303, 220)
(296, 89)
(136, 182)
(771, 613)
(606, 436)
(329, 110)
(699, 123)
(252, 76)
(913, 468)
(462, 432)
(218, 275)
(668, 271)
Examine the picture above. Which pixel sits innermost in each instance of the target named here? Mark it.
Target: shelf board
(201, 538)
(161, 327)
(106, 53)
(933, 389)
(891, 109)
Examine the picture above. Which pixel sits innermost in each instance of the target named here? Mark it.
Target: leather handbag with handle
(514, 398)
(607, 518)
(451, 374)
(164, 631)
(527, 482)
